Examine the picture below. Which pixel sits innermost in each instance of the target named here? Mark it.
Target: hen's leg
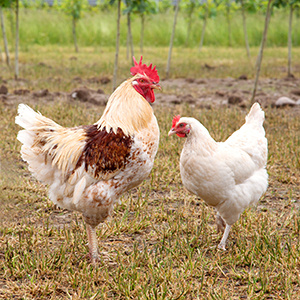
(93, 243)
(221, 224)
(224, 237)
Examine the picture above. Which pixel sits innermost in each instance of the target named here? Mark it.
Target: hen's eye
(181, 125)
(142, 80)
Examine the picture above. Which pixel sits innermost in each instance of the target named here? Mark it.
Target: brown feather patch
(104, 152)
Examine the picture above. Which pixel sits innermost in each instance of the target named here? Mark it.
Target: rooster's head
(146, 79)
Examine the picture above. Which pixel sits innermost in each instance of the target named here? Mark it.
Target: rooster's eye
(142, 80)
(181, 125)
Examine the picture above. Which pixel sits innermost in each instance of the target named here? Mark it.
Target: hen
(89, 167)
(228, 175)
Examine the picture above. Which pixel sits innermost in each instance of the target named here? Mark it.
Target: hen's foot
(222, 247)
(224, 237)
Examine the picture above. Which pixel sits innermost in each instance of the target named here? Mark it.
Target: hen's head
(180, 127)
(146, 79)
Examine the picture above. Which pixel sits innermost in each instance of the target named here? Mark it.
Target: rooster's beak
(171, 132)
(156, 86)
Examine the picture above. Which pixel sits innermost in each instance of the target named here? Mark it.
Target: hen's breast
(227, 180)
(205, 177)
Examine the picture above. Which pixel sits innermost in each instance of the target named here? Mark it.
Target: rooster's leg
(93, 243)
(224, 237)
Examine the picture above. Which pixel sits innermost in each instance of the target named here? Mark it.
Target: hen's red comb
(175, 120)
(142, 69)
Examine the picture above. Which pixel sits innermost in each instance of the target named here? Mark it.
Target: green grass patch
(98, 29)
(161, 241)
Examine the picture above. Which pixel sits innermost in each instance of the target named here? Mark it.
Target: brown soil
(195, 92)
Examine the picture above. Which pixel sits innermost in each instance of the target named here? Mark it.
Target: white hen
(228, 175)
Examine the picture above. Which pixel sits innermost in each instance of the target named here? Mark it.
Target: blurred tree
(229, 5)
(164, 5)
(228, 17)
(141, 8)
(114, 85)
(260, 55)
(129, 43)
(292, 5)
(189, 6)
(244, 6)
(17, 41)
(207, 10)
(73, 8)
(177, 2)
(2, 59)
(144, 8)
(5, 4)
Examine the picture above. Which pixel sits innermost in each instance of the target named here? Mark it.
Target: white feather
(229, 176)
(79, 188)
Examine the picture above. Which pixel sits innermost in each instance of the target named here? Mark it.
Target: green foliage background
(49, 26)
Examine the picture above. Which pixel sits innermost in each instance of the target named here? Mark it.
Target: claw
(222, 247)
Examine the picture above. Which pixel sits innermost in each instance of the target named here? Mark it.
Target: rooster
(89, 167)
(230, 175)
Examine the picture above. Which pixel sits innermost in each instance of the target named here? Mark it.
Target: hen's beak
(156, 86)
(171, 132)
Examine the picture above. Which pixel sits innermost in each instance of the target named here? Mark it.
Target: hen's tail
(256, 115)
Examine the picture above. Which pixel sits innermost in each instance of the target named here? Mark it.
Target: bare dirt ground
(206, 93)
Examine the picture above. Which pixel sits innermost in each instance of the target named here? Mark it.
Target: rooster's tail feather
(26, 117)
(31, 150)
(32, 122)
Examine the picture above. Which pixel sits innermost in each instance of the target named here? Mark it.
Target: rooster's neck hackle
(126, 109)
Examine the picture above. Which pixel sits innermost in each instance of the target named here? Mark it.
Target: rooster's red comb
(142, 69)
(175, 120)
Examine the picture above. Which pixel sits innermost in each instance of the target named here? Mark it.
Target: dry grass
(161, 242)
(59, 68)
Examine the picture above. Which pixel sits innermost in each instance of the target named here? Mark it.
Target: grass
(58, 68)
(98, 29)
(161, 241)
